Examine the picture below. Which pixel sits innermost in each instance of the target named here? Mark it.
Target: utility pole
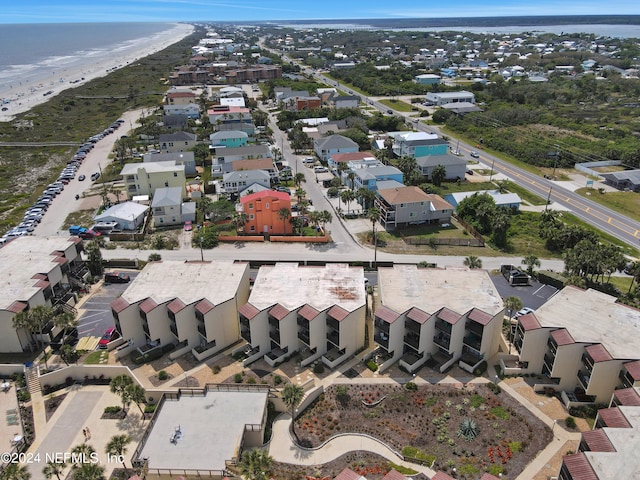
(201, 253)
(491, 173)
(546, 207)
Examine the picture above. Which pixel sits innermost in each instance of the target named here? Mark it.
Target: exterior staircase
(33, 379)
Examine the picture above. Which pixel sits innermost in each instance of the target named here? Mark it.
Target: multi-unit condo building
(446, 315)
(193, 305)
(318, 311)
(180, 97)
(404, 206)
(610, 450)
(264, 213)
(583, 343)
(180, 158)
(418, 144)
(144, 178)
(36, 271)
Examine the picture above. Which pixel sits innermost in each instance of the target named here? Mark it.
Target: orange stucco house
(262, 213)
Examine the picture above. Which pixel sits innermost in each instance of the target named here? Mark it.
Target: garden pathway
(283, 449)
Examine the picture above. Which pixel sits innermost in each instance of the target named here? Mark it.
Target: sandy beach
(28, 95)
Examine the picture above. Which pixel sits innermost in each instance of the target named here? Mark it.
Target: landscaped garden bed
(472, 429)
(51, 404)
(369, 465)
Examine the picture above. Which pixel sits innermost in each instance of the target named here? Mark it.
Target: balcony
(381, 326)
(412, 326)
(411, 361)
(443, 326)
(333, 336)
(588, 362)
(145, 327)
(332, 324)
(276, 356)
(442, 341)
(381, 339)
(201, 352)
(583, 379)
(202, 330)
(412, 340)
(302, 322)
(517, 343)
(274, 335)
(548, 361)
(473, 341)
(303, 336)
(174, 329)
(475, 328)
(626, 379)
(246, 335)
(553, 346)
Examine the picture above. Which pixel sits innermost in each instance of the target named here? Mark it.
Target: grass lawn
(94, 357)
(455, 187)
(627, 203)
(524, 238)
(83, 218)
(621, 283)
(397, 105)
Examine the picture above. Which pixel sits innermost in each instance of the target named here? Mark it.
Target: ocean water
(29, 51)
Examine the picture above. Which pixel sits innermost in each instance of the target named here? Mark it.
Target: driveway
(95, 313)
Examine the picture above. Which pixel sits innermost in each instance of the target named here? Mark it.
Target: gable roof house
(169, 209)
(180, 97)
(177, 142)
(327, 146)
(455, 167)
(127, 215)
(403, 206)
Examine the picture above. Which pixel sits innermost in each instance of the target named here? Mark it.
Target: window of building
(267, 206)
(175, 174)
(253, 228)
(412, 214)
(251, 216)
(251, 206)
(166, 184)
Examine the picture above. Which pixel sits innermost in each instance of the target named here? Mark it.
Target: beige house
(145, 178)
(583, 342)
(177, 142)
(403, 206)
(36, 271)
(319, 311)
(193, 305)
(448, 315)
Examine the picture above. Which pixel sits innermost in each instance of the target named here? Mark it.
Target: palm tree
(530, 261)
(117, 447)
(325, 217)
(351, 177)
(284, 214)
(634, 271)
(82, 454)
(298, 179)
(300, 193)
(472, 262)
(365, 197)
(34, 320)
(438, 174)
(240, 219)
(314, 219)
(66, 321)
(347, 197)
(255, 464)
(513, 304)
(53, 468)
(15, 471)
(292, 396)
(118, 385)
(89, 471)
(137, 394)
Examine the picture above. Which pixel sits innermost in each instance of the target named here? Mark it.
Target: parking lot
(96, 315)
(532, 296)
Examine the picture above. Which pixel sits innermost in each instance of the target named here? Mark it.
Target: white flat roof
(211, 428)
(21, 259)
(150, 167)
(190, 282)
(292, 286)
(405, 286)
(594, 317)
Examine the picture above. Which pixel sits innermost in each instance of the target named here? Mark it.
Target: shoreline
(27, 96)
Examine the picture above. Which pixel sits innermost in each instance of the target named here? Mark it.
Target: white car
(524, 311)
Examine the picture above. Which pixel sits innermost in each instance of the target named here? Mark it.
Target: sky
(73, 11)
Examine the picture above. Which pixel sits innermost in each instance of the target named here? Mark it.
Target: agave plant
(468, 429)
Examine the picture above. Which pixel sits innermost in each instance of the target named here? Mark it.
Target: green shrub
(162, 375)
(149, 408)
(477, 400)
(500, 412)
(215, 369)
(413, 452)
(318, 368)
(371, 365)
(23, 395)
(480, 369)
(411, 386)
(112, 409)
(494, 388)
(251, 380)
(403, 470)
(570, 422)
(496, 470)
(237, 378)
(515, 446)
(277, 380)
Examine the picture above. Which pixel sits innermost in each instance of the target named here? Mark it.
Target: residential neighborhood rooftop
(292, 286)
(594, 317)
(405, 286)
(150, 167)
(188, 281)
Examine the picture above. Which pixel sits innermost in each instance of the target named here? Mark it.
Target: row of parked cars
(35, 212)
